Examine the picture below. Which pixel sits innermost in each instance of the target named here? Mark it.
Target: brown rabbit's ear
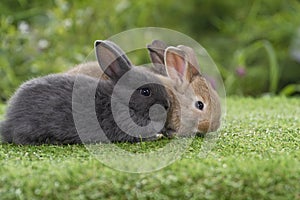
(156, 51)
(176, 63)
(193, 64)
(111, 59)
(191, 56)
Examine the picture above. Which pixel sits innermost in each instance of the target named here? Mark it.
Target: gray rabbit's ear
(119, 50)
(176, 63)
(156, 51)
(112, 59)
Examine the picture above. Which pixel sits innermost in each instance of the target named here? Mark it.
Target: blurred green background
(255, 43)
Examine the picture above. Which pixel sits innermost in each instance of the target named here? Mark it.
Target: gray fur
(156, 51)
(41, 112)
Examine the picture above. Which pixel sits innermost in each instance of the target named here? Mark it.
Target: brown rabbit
(207, 104)
(211, 113)
(195, 105)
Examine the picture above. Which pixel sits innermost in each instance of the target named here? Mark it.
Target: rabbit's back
(41, 112)
(44, 111)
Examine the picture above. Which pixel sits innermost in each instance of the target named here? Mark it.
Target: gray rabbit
(55, 109)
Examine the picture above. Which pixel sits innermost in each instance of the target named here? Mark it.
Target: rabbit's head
(211, 111)
(138, 91)
(195, 105)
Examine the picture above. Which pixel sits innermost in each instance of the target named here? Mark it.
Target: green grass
(256, 157)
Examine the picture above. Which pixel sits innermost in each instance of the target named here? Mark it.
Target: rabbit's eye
(199, 105)
(145, 92)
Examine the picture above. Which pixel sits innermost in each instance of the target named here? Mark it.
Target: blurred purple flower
(240, 71)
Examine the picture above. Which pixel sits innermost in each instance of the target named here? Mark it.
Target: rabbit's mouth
(168, 132)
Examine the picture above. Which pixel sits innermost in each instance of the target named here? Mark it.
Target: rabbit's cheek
(215, 125)
(174, 118)
(172, 122)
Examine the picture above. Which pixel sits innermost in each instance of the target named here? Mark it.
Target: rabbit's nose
(166, 105)
(203, 126)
